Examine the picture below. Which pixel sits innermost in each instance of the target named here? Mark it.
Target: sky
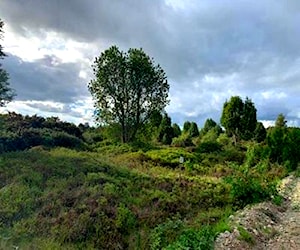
(210, 50)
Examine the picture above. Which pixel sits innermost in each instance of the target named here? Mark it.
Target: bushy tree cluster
(20, 132)
(283, 143)
(240, 121)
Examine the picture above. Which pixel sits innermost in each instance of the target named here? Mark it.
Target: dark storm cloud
(246, 47)
(45, 80)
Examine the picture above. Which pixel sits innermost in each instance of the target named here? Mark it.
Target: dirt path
(265, 225)
(289, 229)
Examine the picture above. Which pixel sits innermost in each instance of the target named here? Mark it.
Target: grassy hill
(120, 198)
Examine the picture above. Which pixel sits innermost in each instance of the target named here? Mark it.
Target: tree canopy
(6, 93)
(239, 118)
(128, 87)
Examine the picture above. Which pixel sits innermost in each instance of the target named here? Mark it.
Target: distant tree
(127, 89)
(249, 120)
(166, 133)
(149, 131)
(6, 93)
(212, 134)
(239, 118)
(280, 121)
(260, 132)
(194, 131)
(208, 125)
(276, 139)
(186, 126)
(283, 143)
(155, 119)
(176, 130)
(291, 151)
(231, 118)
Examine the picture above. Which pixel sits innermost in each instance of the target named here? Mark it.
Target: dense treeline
(18, 132)
(278, 143)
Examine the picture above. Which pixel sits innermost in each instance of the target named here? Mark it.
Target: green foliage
(193, 130)
(166, 133)
(233, 154)
(291, 151)
(245, 235)
(251, 185)
(123, 195)
(223, 139)
(249, 120)
(209, 147)
(277, 199)
(162, 235)
(239, 118)
(232, 114)
(280, 121)
(149, 132)
(208, 125)
(170, 156)
(283, 144)
(184, 140)
(211, 135)
(125, 219)
(186, 126)
(176, 130)
(202, 239)
(22, 132)
(260, 132)
(127, 89)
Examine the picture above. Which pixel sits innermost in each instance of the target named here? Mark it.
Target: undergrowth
(121, 197)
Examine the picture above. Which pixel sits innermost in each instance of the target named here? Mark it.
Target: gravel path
(289, 229)
(265, 225)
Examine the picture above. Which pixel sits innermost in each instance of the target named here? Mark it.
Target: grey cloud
(43, 80)
(64, 109)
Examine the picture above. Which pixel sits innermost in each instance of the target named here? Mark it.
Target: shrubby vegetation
(107, 194)
(19, 132)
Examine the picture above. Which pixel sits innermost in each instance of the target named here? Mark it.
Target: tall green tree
(260, 132)
(166, 132)
(194, 131)
(291, 151)
(128, 87)
(280, 121)
(6, 93)
(186, 126)
(176, 130)
(208, 125)
(277, 139)
(249, 120)
(239, 118)
(231, 118)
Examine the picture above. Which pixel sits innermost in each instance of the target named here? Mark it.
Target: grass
(116, 197)
(245, 235)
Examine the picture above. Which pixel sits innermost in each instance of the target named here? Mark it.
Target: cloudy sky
(210, 50)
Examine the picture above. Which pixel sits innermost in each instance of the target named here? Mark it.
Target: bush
(209, 147)
(125, 220)
(182, 141)
(202, 239)
(250, 186)
(162, 235)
